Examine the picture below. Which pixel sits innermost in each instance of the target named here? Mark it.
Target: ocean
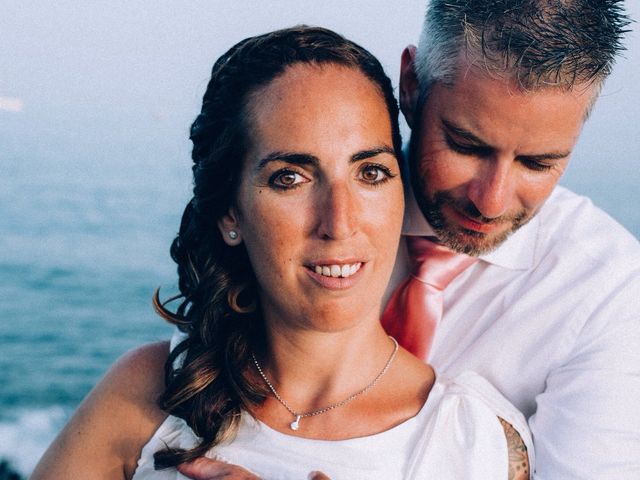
(84, 243)
(85, 233)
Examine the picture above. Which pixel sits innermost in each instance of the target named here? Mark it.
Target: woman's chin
(338, 313)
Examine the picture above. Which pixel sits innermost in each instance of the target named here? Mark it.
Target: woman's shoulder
(136, 382)
(141, 368)
(110, 427)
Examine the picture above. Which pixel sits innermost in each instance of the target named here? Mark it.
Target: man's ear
(409, 88)
(229, 228)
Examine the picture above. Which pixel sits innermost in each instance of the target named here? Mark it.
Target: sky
(107, 82)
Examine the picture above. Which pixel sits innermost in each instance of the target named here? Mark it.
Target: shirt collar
(515, 253)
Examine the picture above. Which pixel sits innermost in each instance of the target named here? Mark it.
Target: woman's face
(320, 202)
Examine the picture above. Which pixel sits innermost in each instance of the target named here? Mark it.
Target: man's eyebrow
(372, 152)
(461, 132)
(294, 158)
(466, 134)
(546, 156)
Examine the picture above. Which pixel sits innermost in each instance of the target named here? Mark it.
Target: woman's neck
(312, 370)
(319, 367)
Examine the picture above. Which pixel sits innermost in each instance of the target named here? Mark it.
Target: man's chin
(460, 226)
(471, 242)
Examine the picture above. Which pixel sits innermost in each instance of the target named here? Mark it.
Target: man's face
(485, 156)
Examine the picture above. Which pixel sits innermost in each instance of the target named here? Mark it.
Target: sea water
(84, 242)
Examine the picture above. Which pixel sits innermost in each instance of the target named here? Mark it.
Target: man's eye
(537, 166)
(286, 179)
(375, 174)
(460, 148)
(468, 149)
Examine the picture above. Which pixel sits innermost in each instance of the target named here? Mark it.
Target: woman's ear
(229, 228)
(408, 85)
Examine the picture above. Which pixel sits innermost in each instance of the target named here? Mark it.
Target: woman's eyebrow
(364, 154)
(308, 159)
(294, 158)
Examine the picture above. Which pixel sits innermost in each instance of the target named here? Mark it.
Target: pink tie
(415, 308)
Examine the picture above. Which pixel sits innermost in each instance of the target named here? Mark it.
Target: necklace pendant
(295, 425)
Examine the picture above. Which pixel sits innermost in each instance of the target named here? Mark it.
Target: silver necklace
(299, 415)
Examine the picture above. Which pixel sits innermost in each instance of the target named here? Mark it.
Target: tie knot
(435, 264)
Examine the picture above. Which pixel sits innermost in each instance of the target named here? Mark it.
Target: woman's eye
(286, 179)
(375, 174)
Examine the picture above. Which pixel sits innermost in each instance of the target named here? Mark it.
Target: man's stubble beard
(462, 240)
(456, 238)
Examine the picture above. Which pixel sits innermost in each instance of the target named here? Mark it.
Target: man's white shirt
(552, 319)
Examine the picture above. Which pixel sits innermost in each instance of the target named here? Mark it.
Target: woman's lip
(470, 224)
(335, 283)
(334, 261)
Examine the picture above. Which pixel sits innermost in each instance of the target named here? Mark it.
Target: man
(496, 95)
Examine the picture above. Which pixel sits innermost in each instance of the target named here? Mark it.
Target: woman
(283, 255)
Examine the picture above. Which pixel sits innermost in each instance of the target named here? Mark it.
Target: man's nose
(492, 189)
(337, 211)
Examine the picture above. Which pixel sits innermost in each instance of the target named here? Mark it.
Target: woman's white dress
(456, 435)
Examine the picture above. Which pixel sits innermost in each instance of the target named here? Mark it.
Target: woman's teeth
(337, 270)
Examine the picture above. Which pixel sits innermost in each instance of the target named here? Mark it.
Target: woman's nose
(337, 212)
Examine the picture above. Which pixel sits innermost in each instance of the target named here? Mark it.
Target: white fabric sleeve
(464, 438)
(587, 422)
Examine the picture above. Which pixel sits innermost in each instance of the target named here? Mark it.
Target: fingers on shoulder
(209, 469)
(518, 455)
(318, 476)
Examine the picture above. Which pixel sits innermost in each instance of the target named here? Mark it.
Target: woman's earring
(233, 238)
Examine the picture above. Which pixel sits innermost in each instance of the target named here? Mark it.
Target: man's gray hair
(535, 43)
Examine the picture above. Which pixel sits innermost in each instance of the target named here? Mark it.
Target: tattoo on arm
(518, 457)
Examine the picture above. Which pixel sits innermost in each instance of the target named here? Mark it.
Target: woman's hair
(209, 378)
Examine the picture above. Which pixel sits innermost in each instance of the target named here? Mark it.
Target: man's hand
(207, 469)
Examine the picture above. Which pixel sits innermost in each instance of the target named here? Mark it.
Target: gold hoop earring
(232, 299)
